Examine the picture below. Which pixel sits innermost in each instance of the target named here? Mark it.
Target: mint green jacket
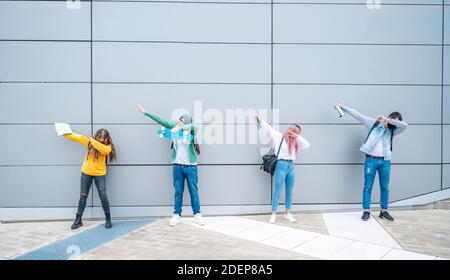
(192, 153)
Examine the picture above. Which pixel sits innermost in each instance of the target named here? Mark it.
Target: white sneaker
(289, 217)
(175, 220)
(273, 218)
(198, 219)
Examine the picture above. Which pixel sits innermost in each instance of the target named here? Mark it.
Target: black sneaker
(385, 215)
(365, 216)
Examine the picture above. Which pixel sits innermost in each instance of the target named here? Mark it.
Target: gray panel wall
(446, 178)
(446, 139)
(32, 61)
(90, 67)
(42, 20)
(357, 64)
(168, 97)
(446, 64)
(446, 31)
(446, 105)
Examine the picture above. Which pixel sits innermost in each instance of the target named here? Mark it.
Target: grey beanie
(186, 118)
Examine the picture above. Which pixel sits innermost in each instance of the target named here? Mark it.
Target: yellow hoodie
(91, 167)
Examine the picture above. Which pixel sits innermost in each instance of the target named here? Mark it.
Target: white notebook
(339, 110)
(62, 128)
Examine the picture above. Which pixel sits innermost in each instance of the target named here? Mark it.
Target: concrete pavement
(422, 234)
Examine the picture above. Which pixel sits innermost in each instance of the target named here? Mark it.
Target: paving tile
(396, 254)
(290, 239)
(262, 232)
(423, 231)
(163, 242)
(306, 221)
(361, 251)
(228, 225)
(349, 225)
(323, 246)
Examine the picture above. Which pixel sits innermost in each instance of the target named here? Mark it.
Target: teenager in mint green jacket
(184, 159)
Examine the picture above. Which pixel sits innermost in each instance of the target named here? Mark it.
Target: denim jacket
(379, 132)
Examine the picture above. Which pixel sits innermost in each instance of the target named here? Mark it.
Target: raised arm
(400, 126)
(366, 121)
(101, 148)
(82, 139)
(303, 143)
(269, 130)
(157, 118)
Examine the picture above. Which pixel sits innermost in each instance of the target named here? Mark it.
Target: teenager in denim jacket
(378, 151)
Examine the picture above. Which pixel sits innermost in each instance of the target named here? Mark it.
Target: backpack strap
(279, 148)
(373, 127)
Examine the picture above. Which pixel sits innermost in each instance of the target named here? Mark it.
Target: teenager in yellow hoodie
(100, 150)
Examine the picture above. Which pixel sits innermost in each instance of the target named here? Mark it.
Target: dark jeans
(180, 174)
(86, 183)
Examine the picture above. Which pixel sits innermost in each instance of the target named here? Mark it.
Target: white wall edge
(68, 213)
(57, 213)
(424, 199)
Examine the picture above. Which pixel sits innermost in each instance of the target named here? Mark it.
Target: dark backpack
(270, 161)
(374, 126)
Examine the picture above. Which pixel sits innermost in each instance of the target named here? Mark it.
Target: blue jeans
(180, 174)
(284, 173)
(371, 166)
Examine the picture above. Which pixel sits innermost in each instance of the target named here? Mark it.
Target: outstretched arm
(82, 139)
(101, 148)
(400, 125)
(269, 130)
(366, 121)
(303, 143)
(157, 118)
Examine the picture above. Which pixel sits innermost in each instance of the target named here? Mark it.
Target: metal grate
(78, 244)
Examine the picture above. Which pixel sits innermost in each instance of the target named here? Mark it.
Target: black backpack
(374, 126)
(270, 161)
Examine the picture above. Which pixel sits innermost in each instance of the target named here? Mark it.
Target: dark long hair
(103, 134)
(394, 115)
